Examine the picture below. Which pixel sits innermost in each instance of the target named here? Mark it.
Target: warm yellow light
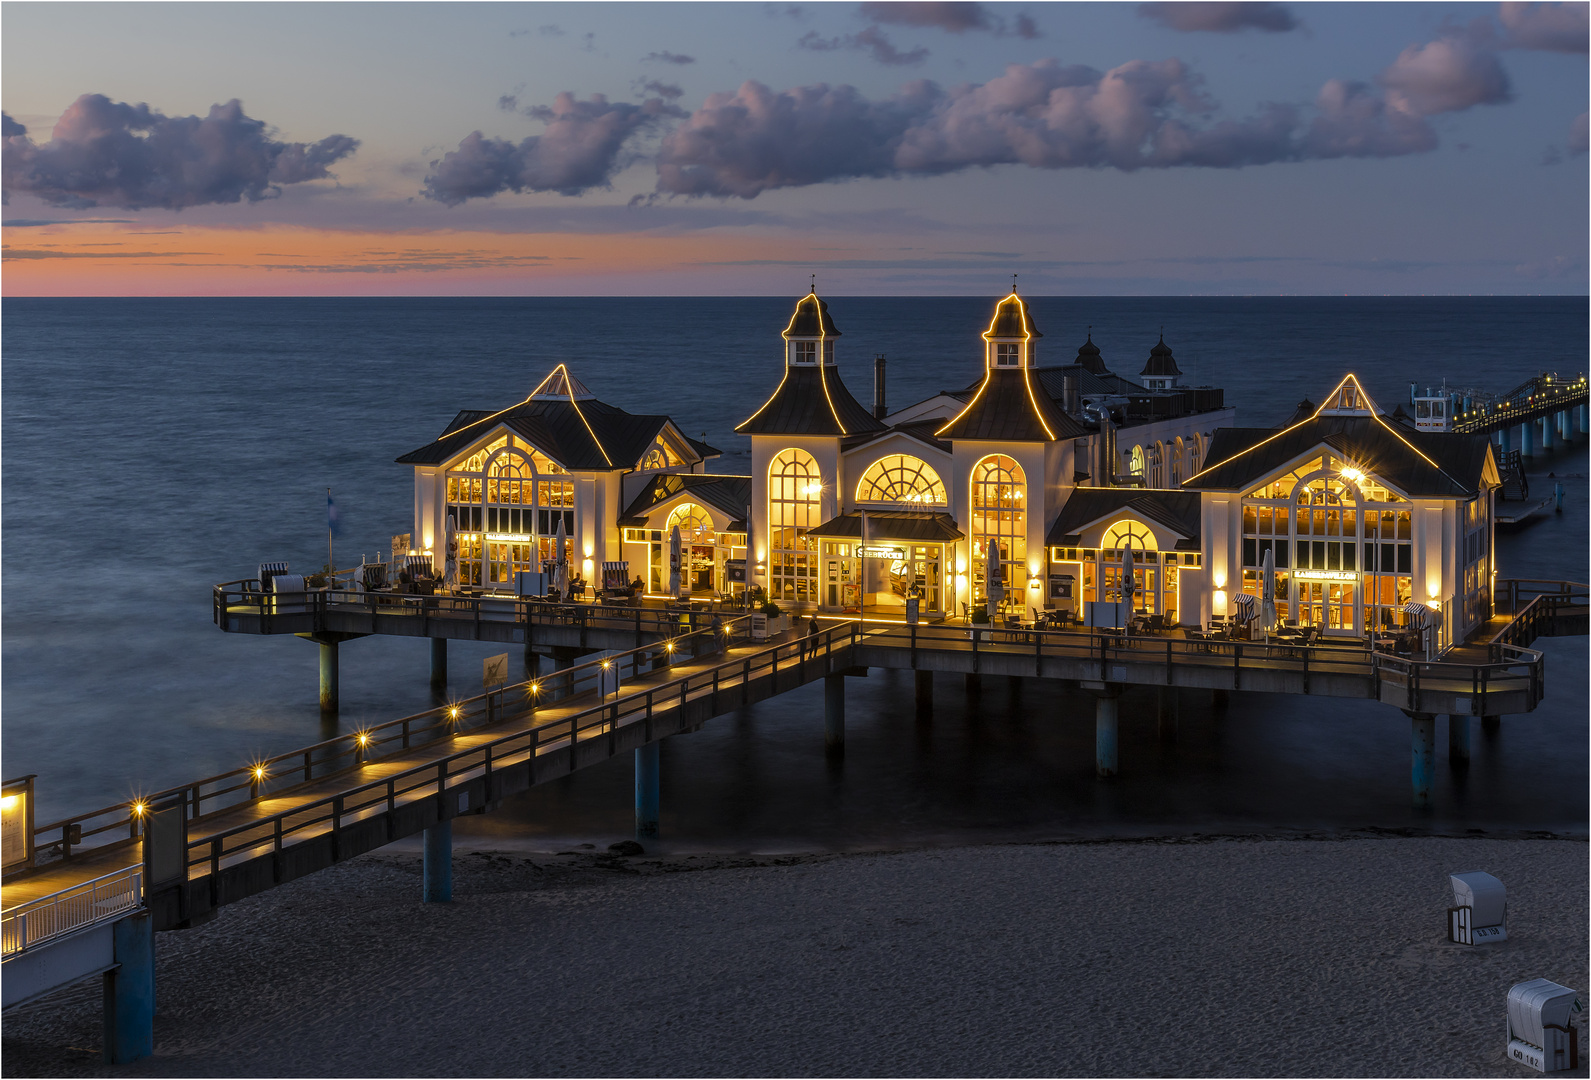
(1352, 474)
(812, 489)
(605, 664)
(669, 647)
(453, 712)
(9, 803)
(138, 809)
(259, 772)
(535, 688)
(364, 739)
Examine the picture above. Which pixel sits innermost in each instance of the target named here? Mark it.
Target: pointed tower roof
(1011, 320)
(811, 399)
(1011, 403)
(811, 319)
(1088, 356)
(1161, 363)
(560, 385)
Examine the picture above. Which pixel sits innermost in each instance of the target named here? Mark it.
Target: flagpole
(331, 564)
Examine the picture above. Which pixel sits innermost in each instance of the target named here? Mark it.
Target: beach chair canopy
(1247, 606)
(616, 575)
(1419, 615)
(268, 570)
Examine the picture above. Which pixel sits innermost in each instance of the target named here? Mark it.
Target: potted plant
(778, 621)
(979, 618)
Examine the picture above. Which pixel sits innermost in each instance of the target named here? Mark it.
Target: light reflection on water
(208, 430)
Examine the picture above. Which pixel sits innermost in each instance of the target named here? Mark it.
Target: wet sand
(1178, 957)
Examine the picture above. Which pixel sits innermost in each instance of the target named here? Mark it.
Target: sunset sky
(911, 148)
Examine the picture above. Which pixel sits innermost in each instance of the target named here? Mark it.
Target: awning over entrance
(914, 526)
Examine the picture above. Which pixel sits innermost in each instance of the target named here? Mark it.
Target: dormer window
(806, 352)
(1008, 355)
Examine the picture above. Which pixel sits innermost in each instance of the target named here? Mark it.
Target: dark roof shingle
(1176, 510)
(811, 401)
(1012, 405)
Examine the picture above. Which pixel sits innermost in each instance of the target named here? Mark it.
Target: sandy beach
(1178, 957)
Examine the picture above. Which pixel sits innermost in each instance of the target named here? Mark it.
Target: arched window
(1135, 462)
(695, 524)
(1179, 450)
(999, 517)
(1127, 535)
(507, 502)
(795, 505)
(900, 478)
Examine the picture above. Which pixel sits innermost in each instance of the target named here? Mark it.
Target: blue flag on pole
(333, 522)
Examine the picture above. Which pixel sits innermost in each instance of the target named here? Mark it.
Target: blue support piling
(1422, 758)
(1502, 439)
(1105, 735)
(834, 715)
(439, 664)
(1458, 742)
(648, 794)
(1548, 423)
(437, 863)
(328, 676)
(130, 992)
(1527, 441)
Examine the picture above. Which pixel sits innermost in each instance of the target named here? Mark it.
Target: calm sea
(155, 447)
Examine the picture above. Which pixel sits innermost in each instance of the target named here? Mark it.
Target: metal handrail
(79, 907)
(264, 775)
(432, 777)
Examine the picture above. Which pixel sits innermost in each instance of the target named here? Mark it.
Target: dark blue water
(155, 447)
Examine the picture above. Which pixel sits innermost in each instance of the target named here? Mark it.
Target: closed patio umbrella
(450, 553)
(673, 561)
(1268, 591)
(1129, 583)
(993, 578)
(560, 571)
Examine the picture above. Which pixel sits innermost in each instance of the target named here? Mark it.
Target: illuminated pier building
(1057, 468)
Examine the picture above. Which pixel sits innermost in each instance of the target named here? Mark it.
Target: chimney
(879, 409)
(1105, 453)
(1069, 394)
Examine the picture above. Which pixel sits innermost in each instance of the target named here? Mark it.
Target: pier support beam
(1548, 423)
(1220, 698)
(1167, 714)
(1502, 438)
(130, 991)
(925, 694)
(648, 793)
(1422, 757)
(328, 676)
(974, 683)
(1491, 724)
(439, 664)
(1527, 440)
(1105, 740)
(1458, 742)
(834, 715)
(436, 863)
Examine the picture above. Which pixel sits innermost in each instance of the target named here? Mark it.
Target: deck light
(364, 738)
(9, 803)
(137, 808)
(669, 647)
(259, 772)
(605, 665)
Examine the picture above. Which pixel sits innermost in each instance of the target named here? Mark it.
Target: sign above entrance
(1325, 575)
(881, 553)
(513, 538)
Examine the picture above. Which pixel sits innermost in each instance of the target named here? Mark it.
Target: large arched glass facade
(795, 506)
(999, 517)
(902, 480)
(1340, 543)
(507, 502)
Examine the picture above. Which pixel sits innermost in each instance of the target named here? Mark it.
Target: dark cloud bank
(1141, 115)
(1221, 18)
(109, 153)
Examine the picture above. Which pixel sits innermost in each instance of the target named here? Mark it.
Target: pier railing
(1539, 609)
(120, 822)
(100, 900)
(1526, 402)
(307, 612)
(727, 683)
(1108, 657)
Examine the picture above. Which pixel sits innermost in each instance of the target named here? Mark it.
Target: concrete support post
(1527, 441)
(130, 992)
(1422, 758)
(1502, 439)
(328, 676)
(436, 864)
(1220, 698)
(648, 793)
(1167, 718)
(1491, 724)
(1105, 735)
(834, 715)
(1458, 742)
(925, 694)
(1548, 423)
(974, 683)
(439, 664)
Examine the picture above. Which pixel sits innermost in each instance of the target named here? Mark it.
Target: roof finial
(814, 284)
(1013, 284)
(1090, 333)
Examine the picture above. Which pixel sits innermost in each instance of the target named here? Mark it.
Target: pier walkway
(103, 881)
